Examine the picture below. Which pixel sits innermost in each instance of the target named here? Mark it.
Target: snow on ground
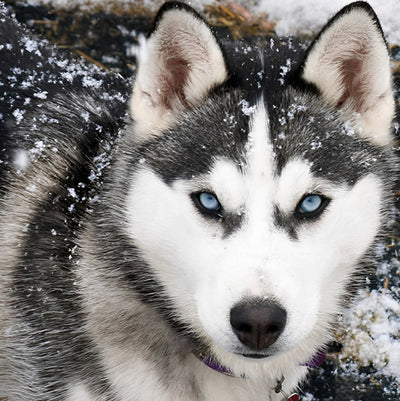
(372, 327)
(293, 17)
(308, 16)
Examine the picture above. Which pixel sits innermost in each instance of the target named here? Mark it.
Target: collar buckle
(278, 389)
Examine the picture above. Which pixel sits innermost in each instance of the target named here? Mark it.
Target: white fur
(131, 371)
(80, 392)
(233, 200)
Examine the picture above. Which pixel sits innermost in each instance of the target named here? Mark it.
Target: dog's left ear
(349, 64)
(180, 63)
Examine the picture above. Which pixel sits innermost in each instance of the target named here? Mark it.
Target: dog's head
(260, 180)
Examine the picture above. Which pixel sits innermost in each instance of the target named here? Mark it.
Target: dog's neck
(314, 362)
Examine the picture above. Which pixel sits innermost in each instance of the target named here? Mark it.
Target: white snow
(308, 16)
(30, 45)
(19, 115)
(372, 332)
(72, 193)
(90, 82)
(247, 110)
(303, 17)
(21, 159)
(41, 95)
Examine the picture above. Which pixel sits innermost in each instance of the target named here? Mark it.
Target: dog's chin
(206, 352)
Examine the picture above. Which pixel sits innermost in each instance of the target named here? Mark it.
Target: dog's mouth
(255, 356)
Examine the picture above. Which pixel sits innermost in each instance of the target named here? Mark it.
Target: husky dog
(202, 248)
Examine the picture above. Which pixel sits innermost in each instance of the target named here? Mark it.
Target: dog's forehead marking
(259, 149)
(251, 185)
(260, 162)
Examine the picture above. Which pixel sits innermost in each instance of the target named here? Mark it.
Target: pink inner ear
(354, 76)
(173, 80)
(183, 55)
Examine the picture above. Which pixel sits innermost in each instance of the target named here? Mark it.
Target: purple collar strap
(316, 361)
(211, 363)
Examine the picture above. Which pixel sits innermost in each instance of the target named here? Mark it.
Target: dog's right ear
(179, 64)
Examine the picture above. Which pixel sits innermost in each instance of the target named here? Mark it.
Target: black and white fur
(115, 277)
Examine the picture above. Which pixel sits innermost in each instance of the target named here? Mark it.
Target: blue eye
(209, 201)
(310, 203)
(311, 206)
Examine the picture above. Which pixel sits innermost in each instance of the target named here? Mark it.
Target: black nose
(258, 323)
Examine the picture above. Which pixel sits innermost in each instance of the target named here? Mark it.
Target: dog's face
(254, 210)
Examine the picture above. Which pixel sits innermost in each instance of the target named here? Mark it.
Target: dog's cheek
(327, 255)
(171, 236)
(353, 221)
